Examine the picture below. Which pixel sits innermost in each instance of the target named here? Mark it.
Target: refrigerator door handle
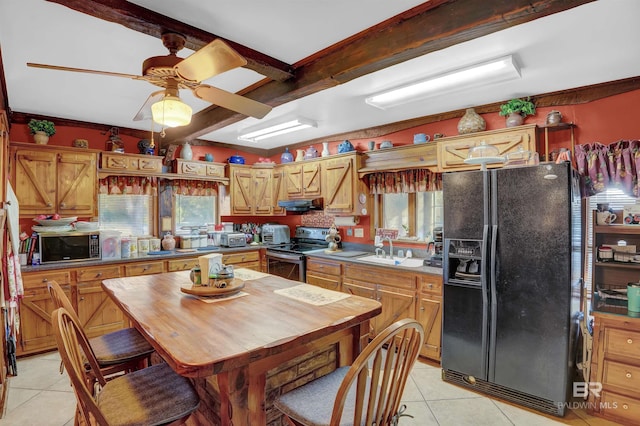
(493, 307)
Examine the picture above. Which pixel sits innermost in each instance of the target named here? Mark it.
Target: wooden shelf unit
(554, 128)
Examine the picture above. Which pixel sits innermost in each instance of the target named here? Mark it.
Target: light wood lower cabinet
(97, 313)
(616, 367)
(402, 294)
(324, 273)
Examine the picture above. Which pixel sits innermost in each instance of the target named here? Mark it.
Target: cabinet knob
(63, 205)
(44, 280)
(628, 375)
(99, 274)
(625, 406)
(49, 204)
(422, 309)
(630, 341)
(81, 299)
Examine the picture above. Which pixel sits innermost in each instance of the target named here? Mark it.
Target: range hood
(302, 205)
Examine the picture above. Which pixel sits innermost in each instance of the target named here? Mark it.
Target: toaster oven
(233, 239)
(275, 234)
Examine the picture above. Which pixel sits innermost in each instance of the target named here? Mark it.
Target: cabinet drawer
(431, 284)
(378, 275)
(236, 258)
(181, 264)
(620, 407)
(621, 375)
(622, 342)
(145, 268)
(324, 266)
(100, 273)
(40, 279)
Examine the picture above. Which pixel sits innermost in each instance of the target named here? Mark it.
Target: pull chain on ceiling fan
(173, 73)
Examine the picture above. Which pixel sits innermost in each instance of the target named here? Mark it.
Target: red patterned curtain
(614, 165)
(193, 187)
(128, 185)
(415, 180)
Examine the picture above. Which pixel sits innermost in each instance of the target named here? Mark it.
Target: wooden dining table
(244, 350)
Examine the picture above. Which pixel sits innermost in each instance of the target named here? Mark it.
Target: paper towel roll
(345, 220)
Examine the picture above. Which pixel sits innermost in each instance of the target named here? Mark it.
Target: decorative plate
(233, 287)
(63, 221)
(45, 229)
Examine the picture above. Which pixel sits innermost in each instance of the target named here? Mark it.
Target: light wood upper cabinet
(453, 151)
(252, 191)
(303, 179)
(341, 186)
(55, 180)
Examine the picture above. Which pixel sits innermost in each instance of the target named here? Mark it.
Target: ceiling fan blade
(213, 59)
(231, 101)
(59, 68)
(145, 110)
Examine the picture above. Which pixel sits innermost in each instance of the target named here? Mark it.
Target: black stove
(288, 260)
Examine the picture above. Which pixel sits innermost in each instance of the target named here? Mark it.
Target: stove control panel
(311, 233)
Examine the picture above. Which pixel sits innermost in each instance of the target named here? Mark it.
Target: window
(194, 211)
(414, 215)
(129, 214)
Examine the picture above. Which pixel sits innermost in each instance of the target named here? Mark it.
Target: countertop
(173, 254)
(346, 256)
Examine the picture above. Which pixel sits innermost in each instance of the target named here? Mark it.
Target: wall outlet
(359, 232)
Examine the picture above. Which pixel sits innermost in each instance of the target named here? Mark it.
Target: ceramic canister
(143, 246)
(154, 244)
(633, 297)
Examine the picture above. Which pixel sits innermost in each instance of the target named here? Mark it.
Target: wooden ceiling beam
(424, 29)
(148, 22)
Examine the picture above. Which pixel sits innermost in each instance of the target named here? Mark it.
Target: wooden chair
(155, 395)
(121, 350)
(366, 393)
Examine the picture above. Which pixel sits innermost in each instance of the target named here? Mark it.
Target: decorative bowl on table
(63, 221)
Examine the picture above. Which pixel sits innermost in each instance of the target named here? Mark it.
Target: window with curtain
(126, 204)
(409, 201)
(194, 211)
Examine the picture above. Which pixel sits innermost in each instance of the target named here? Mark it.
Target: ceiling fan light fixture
(171, 112)
(494, 71)
(255, 135)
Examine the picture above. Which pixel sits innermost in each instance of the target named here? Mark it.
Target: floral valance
(192, 187)
(603, 166)
(416, 180)
(128, 185)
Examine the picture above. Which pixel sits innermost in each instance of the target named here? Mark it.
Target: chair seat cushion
(151, 396)
(120, 346)
(312, 404)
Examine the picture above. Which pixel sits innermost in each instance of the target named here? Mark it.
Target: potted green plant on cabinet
(516, 110)
(41, 130)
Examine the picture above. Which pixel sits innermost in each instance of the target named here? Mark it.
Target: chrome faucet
(380, 252)
(390, 246)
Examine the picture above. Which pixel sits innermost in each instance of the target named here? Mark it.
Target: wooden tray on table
(233, 286)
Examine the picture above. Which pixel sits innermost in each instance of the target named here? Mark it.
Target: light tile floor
(40, 396)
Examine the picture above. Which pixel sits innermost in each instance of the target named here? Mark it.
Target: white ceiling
(590, 44)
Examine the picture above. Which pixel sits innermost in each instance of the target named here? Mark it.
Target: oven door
(286, 265)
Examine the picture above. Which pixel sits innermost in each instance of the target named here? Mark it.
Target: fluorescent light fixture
(494, 71)
(255, 135)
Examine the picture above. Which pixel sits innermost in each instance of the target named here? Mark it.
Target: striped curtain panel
(405, 181)
(128, 185)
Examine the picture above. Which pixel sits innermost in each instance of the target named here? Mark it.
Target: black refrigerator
(512, 276)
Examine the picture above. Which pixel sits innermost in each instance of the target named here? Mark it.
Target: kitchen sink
(409, 262)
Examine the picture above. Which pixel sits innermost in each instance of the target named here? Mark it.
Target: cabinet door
(279, 192)
(77, 183)
(97, 312)
(241, 191)
(430, 317)
(338, 188)
(311, 180)
(34, 181)
(262, 196)
(397, 303)
(36, 331)
(358, 288)
(293, 180)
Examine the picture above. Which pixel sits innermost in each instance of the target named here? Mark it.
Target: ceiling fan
(173, 73)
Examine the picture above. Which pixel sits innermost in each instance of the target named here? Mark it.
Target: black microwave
(69, 246)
